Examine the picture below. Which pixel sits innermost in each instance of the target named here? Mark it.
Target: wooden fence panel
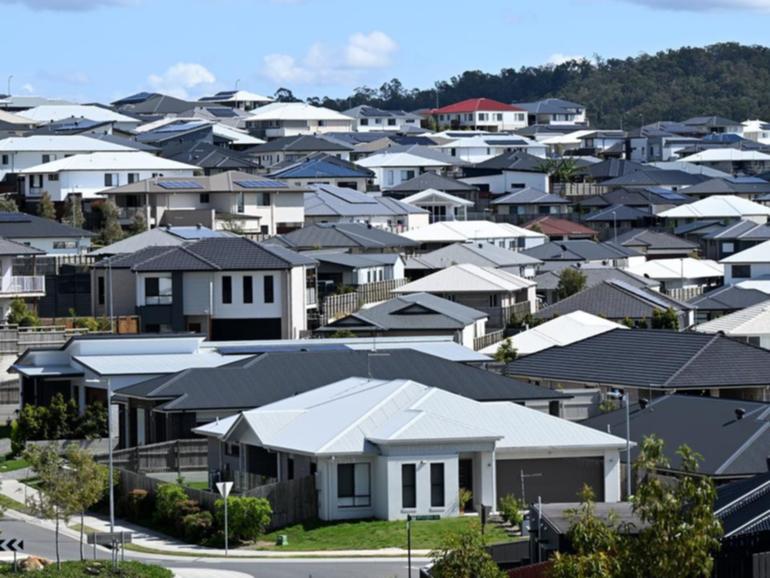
(171, 456)
(336, 306)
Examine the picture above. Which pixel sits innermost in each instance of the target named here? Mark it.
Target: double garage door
(553, 480)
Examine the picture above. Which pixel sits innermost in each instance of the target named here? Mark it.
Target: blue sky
(105, 49)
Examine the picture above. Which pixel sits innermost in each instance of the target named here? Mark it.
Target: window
(741, 271)
(483, 116)
(248, 289)
(53, 177)
(65, 244)
(437, 485)
(157, 291)
(100, 290)
(4, 159)
(353, 485)
(389, 177)
(499, 116)
(268, 289)
(233, 450)
(133, 177)
(227, 289)
(290, 468)
(391, 122)
(203, 198)
(110, 180)
(263, 199)
(753, 340)
(240, 200)
(46, 158)
(406, 175)
(364, 122)
(36, 181)
(728, 248)
(408, 486)
(493, 301)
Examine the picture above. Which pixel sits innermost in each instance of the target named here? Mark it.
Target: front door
(465, 470)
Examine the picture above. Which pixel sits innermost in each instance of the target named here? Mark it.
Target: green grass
(87, 569)
(197, 485)
(376, 534)
(10, 465)
(7, 503)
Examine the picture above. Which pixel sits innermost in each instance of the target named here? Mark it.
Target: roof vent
(739, 413)
(643, 402)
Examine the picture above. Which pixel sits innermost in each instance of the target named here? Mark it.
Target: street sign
(12, 545)
(109, 538)
(224, 488)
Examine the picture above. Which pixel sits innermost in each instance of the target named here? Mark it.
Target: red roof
(552, 226)
(474, 104)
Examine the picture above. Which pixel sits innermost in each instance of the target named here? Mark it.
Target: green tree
(45, 208)
(559, 170)
(73, 212)
(506, 352)
(463, 555)
(571, 281)
(342, 334)
(20, 314)
(8, 205)
(139, 224)
(667, 319)
(167, 502)
(61, 416)
(111, 231)
(89, 483)
(247, 518)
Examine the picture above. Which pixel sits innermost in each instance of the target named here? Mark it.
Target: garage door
(236, 329)
(553, 480)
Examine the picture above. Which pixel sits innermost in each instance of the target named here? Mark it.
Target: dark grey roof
(743, 506)
(431, 180)
(728, 298)
(616, 300)
(319, 165)
(153, 104)
(700, 227)
(126, 142)
(578, 250)
(611, 168)
(277, 375)
(513, 161)
(341, 235)
(656, 177)
(743, 230)
(636, 197)
(479, 253)
(13, 248)
(654, 359)
(530, 196)
(729, 446)
(25, 226)
(353, 260)
(710, 121)
(209, 156)
(730, 187)
(550, 106)
(416, 312)
(549, 280)
(300, 143)
(654, 240)
(616, 213)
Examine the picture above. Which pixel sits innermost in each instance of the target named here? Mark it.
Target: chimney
(739, 413)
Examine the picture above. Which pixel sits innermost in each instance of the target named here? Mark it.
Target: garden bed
(90, 569)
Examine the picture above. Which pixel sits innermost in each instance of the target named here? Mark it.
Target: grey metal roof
(550, 106)
(513, 161)
(430, 180)
(611, 168)
(616, 213)
(13, 248)
(636, 197)
(729, 446)
(531, 196)
(549, 280)
(654, 240)
(300, 143)
(578, 250)
(25, 226)
(479, 253)
(415, 312)
(333, 201)
(354, 260)
(341, 235)
(730, 187)
(710, 121)
(728, 298)
(319, 165)
(209, 156)
(743, 506)
(277, 375)
(743, 230)
(654, 359)
(653, 176)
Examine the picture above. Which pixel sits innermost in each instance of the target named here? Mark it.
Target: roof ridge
(187, 249)
(690, 361)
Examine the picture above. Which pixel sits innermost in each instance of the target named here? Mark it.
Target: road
(40, 541)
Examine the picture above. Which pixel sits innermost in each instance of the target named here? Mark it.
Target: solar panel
(671, 195)
(223, 112)
(14, 218)
(261, 184)
(179, 185)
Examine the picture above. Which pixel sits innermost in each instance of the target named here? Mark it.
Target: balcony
(23, 285)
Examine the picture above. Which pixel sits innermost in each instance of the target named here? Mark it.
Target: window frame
(411, 504)
(248, 288)
(268, 289)
(357, 499)
(227, 289)
(435, 484)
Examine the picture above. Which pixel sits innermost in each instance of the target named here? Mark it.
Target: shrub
(510, 510)
(167, 501)
(22, 315)
(463, 497)
(138, 504)
(248, 518)
(93, 423)
(197, 527)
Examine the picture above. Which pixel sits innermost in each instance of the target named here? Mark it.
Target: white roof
(726, 155)
(716, 206)
(295, 111)
(754, 320)
(686, 268)
(561, 331)
(571, 138)
(348, 416)
(236, 135)
(53, 112)
(434, 196)
(756, 254)
(467, 278)
(104, 161)
(401, 159)
(490, 140)
(241, 96)
(153, 364)
(760, 284)
(452, 231)
(56, 142)
(11, 118)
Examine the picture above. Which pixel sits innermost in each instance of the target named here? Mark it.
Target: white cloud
(705, 5)
(69, 5)
(180, 78)
(324, 64)
(559, 58)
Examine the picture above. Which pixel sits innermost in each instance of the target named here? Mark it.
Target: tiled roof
(474, 104)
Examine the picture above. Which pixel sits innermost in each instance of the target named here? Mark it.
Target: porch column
(488, 480)
(81, 398)
(611, 476)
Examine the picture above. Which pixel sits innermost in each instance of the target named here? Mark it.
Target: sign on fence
(109, 538)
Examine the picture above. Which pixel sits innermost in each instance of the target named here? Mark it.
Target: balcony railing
(18, 284)
(311, 297)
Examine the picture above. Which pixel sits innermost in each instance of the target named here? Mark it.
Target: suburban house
(554, 111)
(338, 270)
(173, 403)
(158, 237)
(476, 148)
(323, 169)
(414, 314)
(369, 118)
(748, 187)
(279, 119)
(719, 207)
(656, 244)
(548, 280)
(508, 172)
(719, 241)
(399, 163)
(681, 278)
(441, 206)
(751, 263)
(525, 204)
(375, 458)
(331, 204)
(87, 175)
(290, 149)
(352, 237)
(14, 124)
(46, 235)
(480, 114)
(505, 235)
(617, 218)
(498, 293)
(731, 160)
(631, 361)
(433, 181)
(557, 229)
(53, 112)
(751, 324)
(233, 200)
(725, 300)
(237, 99)
(621, 302)
(648, 176)
(479, 253)
(650, 200)
(13, 285)
(227, 288)
(584, 251)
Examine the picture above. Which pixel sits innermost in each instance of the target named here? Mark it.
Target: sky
(101, 50)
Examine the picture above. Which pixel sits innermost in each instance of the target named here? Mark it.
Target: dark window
(204, 198)
(227, 289)
(263, 199)
(152, 328)
(353, 487)
(151, 287)
(5, 159)
(741, 271)
(157, 291)
(391, 122)
(46, 158)
(345, 481)
(100, 290)
(269, 289)
(248, 289)
(107, 179)
(437, 485)
(408, 486)
(133, 177)
(194, 327)
(364, 122)
(290, 468)
(232, 449)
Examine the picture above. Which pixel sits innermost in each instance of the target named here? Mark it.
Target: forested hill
(728, 79)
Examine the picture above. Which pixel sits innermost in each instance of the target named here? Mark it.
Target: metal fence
(336, 306)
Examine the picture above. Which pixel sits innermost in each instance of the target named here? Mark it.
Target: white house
(719, 207)
(441, 206)
(53, 112)
(751, 263)
(481, 114)
(756, 130)
(731, 160)
(386, 449)
(503, 235)
(554, 111)
(238, 99)
(479, 148)
(368, 119)
(293, 118)
(398, 164)
(682, 278)
(21, 153)
(17, 286)
(88, 175)
(751, 324)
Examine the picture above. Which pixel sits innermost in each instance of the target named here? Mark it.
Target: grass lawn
(197, 485)
(375, 534)
(7, 503)
(7, 465)
(84, 569)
